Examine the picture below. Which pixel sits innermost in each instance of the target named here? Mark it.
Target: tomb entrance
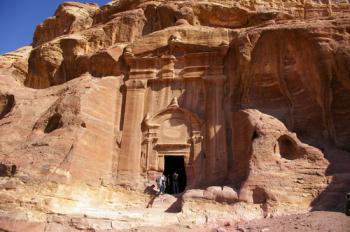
(172, 164)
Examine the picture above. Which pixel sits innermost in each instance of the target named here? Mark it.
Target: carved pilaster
(196, 158)
(168, 67)
(216, 157)
(130, 153)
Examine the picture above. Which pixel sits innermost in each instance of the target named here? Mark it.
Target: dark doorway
(175, 164)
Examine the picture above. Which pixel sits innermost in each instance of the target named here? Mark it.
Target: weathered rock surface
(276, 168)
(15, 63)
(70, 17)
(248, 101)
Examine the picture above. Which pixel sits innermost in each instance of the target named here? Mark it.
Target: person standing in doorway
(175, 180)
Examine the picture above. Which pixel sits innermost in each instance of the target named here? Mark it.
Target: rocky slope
(281, 134)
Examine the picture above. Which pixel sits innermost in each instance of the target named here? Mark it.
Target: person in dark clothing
(175, 179)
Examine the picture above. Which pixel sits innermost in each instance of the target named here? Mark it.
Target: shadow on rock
(333, 198)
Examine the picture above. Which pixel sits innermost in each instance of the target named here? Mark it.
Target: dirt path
(315, 221)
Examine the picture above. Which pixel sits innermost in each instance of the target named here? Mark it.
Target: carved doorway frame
(155, 150)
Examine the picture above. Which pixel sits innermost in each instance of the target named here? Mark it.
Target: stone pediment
(175, 115)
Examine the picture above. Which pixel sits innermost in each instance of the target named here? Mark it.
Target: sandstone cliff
(253, 96)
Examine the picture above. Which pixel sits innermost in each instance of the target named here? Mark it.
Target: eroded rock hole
(175, 164)
(6, 170)
(259, 196)
(287, 148)
(255, 135)
(55, 122)
(3, 170)
(7, 102)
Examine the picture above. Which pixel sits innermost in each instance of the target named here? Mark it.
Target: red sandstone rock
(252, 100)
(70, 17)
(16, 63)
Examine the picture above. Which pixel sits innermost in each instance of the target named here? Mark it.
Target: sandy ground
(314, 221)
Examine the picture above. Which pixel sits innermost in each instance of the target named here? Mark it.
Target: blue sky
(18, 19)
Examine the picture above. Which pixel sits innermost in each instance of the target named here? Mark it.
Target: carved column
(216, 151)
(196, 159)
(130, 153)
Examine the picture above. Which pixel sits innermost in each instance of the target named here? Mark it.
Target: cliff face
(251, 96)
